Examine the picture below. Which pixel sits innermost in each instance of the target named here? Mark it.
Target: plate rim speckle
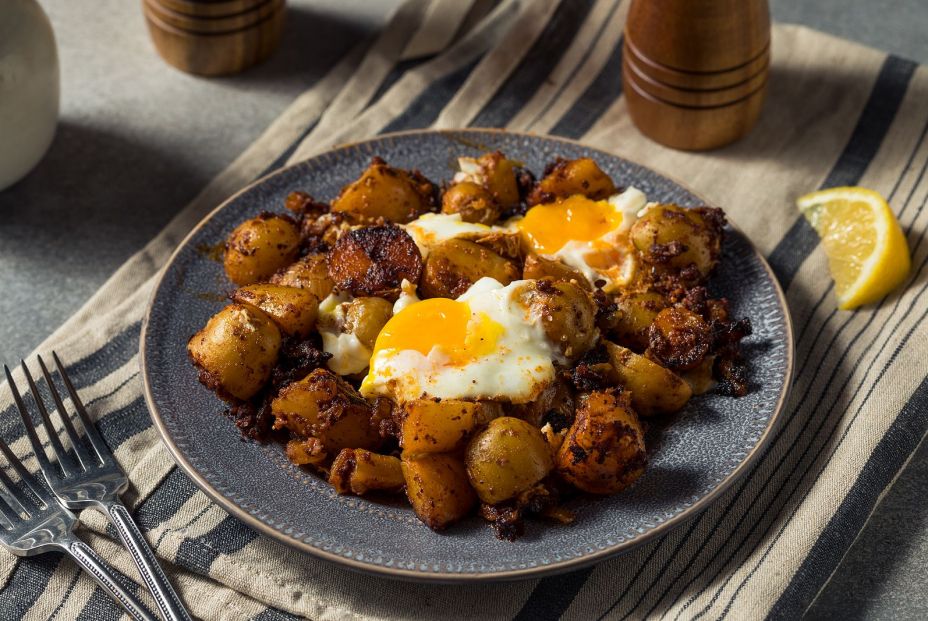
(428, 574)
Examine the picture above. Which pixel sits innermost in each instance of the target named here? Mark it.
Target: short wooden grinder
(694, 72)
(214, 37)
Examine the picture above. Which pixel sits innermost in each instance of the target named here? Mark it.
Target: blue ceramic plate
(701, 452)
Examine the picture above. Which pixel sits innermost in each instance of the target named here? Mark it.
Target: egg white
(349, 354)
(432, 228)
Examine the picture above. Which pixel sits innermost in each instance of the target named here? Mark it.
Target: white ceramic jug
(29, 87)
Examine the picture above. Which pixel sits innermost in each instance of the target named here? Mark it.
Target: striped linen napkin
(837, 114)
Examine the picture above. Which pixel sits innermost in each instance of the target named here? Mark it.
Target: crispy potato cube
(358, 471)
(438, 488)
(433, 426)
(655, 390)
(604, 450)
(679, 339)
(293, 310)
(310, 273)
(324, 406)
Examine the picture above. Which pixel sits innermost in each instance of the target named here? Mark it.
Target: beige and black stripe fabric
(837, 114)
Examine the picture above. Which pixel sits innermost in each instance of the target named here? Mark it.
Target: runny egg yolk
(549, 227)
(448, 325)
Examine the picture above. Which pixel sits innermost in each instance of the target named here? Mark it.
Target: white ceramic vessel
(29, 88)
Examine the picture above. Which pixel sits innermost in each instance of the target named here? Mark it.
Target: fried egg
(590, 236)
(486, 344)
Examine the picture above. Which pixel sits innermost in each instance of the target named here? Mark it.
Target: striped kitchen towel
(837, 114)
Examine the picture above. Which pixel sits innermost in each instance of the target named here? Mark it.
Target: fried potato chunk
(293, 310)
(635, 312)
(236, 351)
(441, 426)
(499, 175)
(310, 273)
(259, 247)
(679, 338)
(366, 317)
(537, 267)
(507, 458)
(386, 193)
(438, 488)
(472, 201)
(455, 264)
(654, 389)
(675, 237)
(568, 177)
(324, 406)
(568, 315)
(374, 260)
(357, 471)
(604, 450)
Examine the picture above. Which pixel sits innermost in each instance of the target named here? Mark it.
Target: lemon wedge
(867, 252)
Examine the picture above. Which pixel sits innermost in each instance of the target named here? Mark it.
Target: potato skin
(293, 310)
(324, 406)
(441, 426)
(374, 260)
(236, 351)
(366, 317)
(259, 247)
(500, 178)
(386, 193)
(474, 202)
(506, 458)
(636, 311)
(357, 471)
(604, 450)
(675, 237)
(310, 273)
(568, 177)
(437, 488)
(654, 389)
(568, 315)
(455, 264)
(537, 267)
(679, 338)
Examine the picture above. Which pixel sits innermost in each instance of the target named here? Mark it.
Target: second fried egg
(590, 236)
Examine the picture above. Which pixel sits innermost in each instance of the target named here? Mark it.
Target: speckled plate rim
(464, 577)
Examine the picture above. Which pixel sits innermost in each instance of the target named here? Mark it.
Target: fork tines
(14, 503)
(86, 456)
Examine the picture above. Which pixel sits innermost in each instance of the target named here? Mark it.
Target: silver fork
(28, 528)
(94, 480)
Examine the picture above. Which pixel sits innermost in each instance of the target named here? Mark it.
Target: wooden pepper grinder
(214, 37)
(695, 71)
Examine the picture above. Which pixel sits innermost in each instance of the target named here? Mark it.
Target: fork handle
(90, 561)
(169, 603)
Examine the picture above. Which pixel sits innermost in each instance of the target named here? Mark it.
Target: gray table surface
(138, 139)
